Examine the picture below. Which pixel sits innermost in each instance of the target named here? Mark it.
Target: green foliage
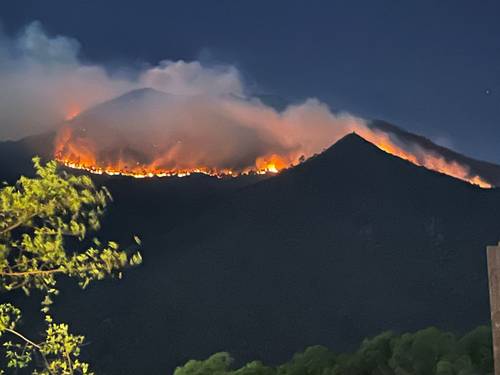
(429, 351)
(37, 218)
(218, 364)
(313, 361)
(254, 368)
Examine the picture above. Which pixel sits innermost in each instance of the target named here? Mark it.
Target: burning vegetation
(147, 133)
(424, 158)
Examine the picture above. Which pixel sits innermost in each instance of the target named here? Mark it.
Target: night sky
(432, 67)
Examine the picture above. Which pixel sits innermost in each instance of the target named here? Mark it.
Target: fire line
(78, 153)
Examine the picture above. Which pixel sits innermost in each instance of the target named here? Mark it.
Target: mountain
(350, 243)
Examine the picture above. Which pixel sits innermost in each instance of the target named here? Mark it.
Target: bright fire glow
(425, 159)
(80, 154)
(72, 113)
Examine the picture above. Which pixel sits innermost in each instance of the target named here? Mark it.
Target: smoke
(182, 78)
(42, 81)
(150, 131)
(208, 116)
(192, 117)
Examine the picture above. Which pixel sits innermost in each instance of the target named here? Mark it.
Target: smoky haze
(42, 80)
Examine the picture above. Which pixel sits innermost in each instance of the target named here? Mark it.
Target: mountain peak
(142, 94)
(353, 162)
(137, 97)
(350, 140)
(352, 146)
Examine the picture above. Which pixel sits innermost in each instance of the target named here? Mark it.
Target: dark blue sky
(432, 67)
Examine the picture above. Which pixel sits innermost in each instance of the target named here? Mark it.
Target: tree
(217, 364)
(220, 364)
(313, 361)
(38, 217)
(429, 351)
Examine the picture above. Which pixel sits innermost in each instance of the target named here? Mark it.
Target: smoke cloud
(43, 81)
(150, 131)
(206, 118)
(190, 117)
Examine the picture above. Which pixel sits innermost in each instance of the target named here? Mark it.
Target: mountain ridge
(488, 170)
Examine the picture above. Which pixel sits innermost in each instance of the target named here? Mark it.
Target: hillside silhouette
(348, 244)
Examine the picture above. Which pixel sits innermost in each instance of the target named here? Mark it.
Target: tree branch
(36, 346)
(17, 224)
(29, 273)
(25, 339)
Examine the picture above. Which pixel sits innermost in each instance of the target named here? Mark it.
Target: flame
(72, 112)
(423, 158)
(144, 171)
(78, 151)
(272, 164)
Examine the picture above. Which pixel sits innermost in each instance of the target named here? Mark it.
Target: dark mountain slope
(488, 171)
(350, 243)
(15, 156)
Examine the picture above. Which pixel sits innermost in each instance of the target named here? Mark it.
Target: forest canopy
(426, 352)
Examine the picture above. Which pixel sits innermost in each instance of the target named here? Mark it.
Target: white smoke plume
(43, 81)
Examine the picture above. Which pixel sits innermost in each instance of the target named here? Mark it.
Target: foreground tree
(37, 217)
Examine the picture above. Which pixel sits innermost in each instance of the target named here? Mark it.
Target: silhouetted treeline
(426, 352)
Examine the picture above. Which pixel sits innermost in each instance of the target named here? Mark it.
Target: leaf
(137, 240)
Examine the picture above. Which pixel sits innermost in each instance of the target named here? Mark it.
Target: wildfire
(422, 158)
(78, 151)
(145, 172)
(80, 156)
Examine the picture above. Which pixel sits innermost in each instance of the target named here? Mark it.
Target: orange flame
(79, 152)
(423, 158)
(72, 113)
